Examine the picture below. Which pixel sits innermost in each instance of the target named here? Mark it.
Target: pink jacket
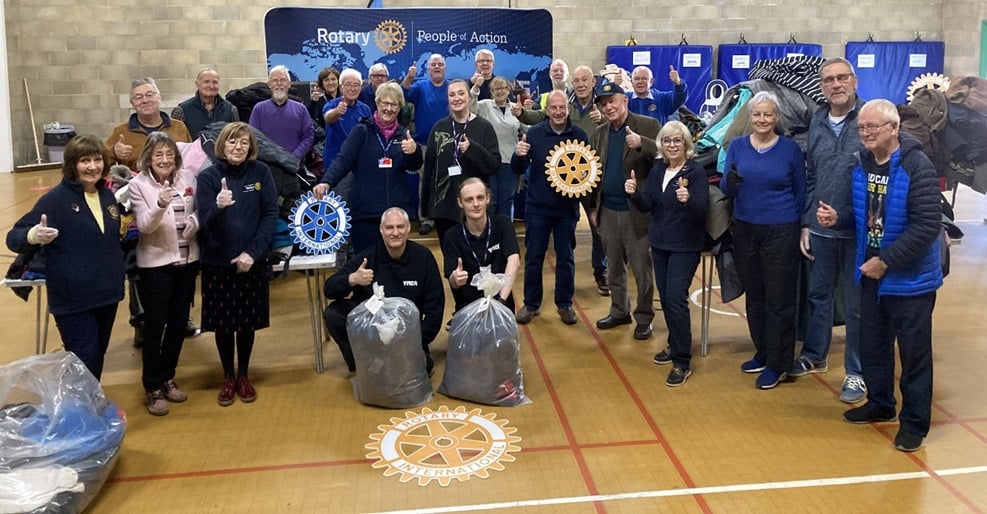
(158, 242)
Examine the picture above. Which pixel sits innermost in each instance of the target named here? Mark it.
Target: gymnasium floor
(603, 433)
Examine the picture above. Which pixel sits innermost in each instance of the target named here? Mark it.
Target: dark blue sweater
(675, 226)
(542, 198)
(773, 192)
(247, 225)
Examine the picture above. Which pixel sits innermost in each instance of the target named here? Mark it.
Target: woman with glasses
(377, 152)
(238, 211)
(766, 178)
(676, 194)
(497, 111)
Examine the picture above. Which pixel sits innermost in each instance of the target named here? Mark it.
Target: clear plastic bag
(55, 418)
(483, 361)
(386, 338)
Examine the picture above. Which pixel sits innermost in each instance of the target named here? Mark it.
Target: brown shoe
(172, 393)
(227, 393)
(245, 390)
(156, 403)
(525, 315)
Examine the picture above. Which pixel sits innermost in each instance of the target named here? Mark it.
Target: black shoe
(642, 332)
(568, 315)
(663, 357)
(907, 441)
(429, 365)
(869, 413)
(425, 228)
(602, 286)
(610, 322)
(139, 336)
(677, 377)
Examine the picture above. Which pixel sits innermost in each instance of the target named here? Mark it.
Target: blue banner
(693, 62)
(887, 69)
(309, 39)
(735, 61)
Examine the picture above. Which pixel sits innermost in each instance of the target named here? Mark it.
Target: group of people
(861, 204)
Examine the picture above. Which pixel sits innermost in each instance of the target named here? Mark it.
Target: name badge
(385, 162)
(455, 170)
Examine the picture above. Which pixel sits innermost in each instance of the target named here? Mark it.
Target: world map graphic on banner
(306, 40)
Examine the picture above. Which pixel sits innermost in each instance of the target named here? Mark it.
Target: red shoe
(227, 393)
(245, 390)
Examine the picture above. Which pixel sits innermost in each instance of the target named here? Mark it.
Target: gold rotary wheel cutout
(936, 81)
(390, 36)
(443, 445)
(573, 168)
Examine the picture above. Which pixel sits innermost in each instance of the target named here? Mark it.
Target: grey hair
(141, 81)
(379, 67)
(350, 73)
(404, 214)
(279, 67)
(762, 97)
(885, 108)
(836, 60)
(645, 68)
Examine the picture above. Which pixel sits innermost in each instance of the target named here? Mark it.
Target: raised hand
(458, 276)
(517, 107)
(412, 71)
(673, 75)
(464, 144)
(225, 197)
(41, 233)
(595, 114)
(826, 215)
(363, 276)
(341, 108)
(408, 144)
(523, 147)
(633, 139)
(166, 194)
(681, 193)
(630, 185)
(191, 227)
(121, 150)
(477, 80)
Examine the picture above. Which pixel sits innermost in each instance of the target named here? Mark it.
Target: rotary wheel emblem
(390, 36)
(443, 445)
(320, 226)
(936, 81)
(573, 168)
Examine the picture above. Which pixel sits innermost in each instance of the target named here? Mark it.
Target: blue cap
(608, 89)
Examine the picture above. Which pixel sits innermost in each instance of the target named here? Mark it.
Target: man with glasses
(648, 101)
(830, 159)
(283, 120)
(484, 63)
(342, 114)
(378, 75)
(431, 100)
(127, 139)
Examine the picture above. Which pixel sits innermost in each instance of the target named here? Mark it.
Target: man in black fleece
(406, 269)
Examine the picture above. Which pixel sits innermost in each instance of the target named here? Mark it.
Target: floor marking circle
(694, 297)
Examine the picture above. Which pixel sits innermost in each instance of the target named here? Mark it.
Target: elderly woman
(766, 177)
(327, 88)
(163, 198)
(206, 106)
(76, 228)
(497, 111)
(676, 194)
(238, 211)
(377, 152)
(460, 146)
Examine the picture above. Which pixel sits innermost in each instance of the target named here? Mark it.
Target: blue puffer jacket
(912, 221)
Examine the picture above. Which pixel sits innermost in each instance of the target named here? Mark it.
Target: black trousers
(166, 294)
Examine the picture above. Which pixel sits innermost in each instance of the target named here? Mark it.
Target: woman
(497, 111)
(163, 198)
(76, 227)
(238, 211)
(327, 88)
(766, 177)
(460, 145)
(378, 152)
(676, 194)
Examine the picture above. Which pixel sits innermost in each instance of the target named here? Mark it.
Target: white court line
(794, 484)
(694, 297)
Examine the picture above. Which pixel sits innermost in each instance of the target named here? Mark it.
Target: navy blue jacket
(196, 116)
(84, 267)
(247, 225)
(542, 198)
(675, 226)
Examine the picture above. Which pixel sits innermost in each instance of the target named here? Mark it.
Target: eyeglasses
(502, 88)
(352, 85)
(279, 80)
(871, 129)
(672, 141)
(389, 105)
(843, 78)
(378, 75)
(238, 142)
(140, 97)
(484, 61)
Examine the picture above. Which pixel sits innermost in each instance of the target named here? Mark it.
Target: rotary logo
(936, 81)
(573, 168)
(390, 36)
(443, 445)
(320, 226)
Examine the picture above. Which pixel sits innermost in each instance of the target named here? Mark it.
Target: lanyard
(455, 137)
(486, 247)
(381, 141)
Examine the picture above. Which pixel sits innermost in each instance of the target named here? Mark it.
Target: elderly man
(830, 159)
(405, 268)
(626, 144)
(484, 63)
(127, 139)
(559, 73)
(343, 113)
(547, 212)
(377, 75)
(283, 120)
(431, 100)
(206, 106)
(896, 218)
(648, 101)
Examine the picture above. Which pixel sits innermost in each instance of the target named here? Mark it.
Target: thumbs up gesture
(523, 147)
(673, 75)
(630, 185)
(341, 107)
(458, 276)
(681, 193)
(517, 107)
(363, 276)
(121, 150)
(41, 233)
(595, 114)
(826, 215)
(225, 197)
(477, 79)
(166, 194)
(633, 139)
(412, 71)
(408, 144)
(464, 144)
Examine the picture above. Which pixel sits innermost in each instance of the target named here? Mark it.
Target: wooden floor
(603, 433)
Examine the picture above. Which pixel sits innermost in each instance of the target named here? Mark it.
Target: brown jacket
(640, 160)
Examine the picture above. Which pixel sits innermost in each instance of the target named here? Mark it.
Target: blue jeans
(834, 264)
(502, 188)
(907, 319)
(673, 276)
(537, 231)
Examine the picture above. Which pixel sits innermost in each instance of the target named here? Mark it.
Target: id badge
(385, 162)
(455, 170)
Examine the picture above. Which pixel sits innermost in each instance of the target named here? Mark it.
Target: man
(284, 121)
(479, 241)
(584, 114)
(343, 113)
(648, 101)
(484, 63)
(206, 106)
(559, 73)
(378, 74)
(896, 218)
(547, 212)
(431, 100)
(127, 139)
(830, 159)
(625, 144)
(405, 268)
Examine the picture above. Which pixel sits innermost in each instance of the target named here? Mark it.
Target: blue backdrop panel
(885, 69)
(309, 39)
(693, 62)
(735, 61)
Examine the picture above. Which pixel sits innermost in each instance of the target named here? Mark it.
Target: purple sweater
(288, 125)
